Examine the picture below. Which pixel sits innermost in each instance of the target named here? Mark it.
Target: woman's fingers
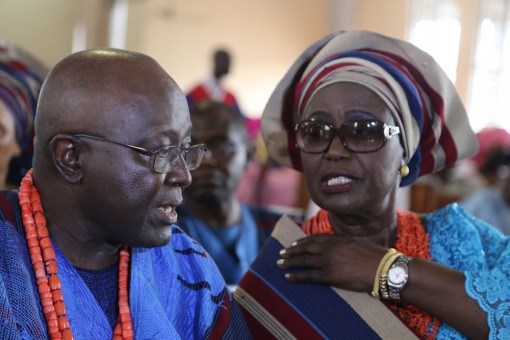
(334, 260)
(302, 260)
(308, 276)
(307, 245)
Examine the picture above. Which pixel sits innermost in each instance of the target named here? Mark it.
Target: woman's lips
(341, 183)
(338, 181)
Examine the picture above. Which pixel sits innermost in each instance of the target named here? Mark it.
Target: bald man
(90, 249)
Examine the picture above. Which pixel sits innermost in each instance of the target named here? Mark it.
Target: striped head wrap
(435, 131)
(21, 77)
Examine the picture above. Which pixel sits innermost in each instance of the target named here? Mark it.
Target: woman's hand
(334, 260)
(347, 263)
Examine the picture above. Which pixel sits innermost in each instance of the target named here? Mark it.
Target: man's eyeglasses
(166, 158)
(357, 136)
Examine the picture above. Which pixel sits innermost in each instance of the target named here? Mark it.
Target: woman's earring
(404, 170)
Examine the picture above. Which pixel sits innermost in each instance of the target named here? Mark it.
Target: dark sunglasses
(357, 136)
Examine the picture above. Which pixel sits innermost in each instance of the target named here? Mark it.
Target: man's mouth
(168, 213)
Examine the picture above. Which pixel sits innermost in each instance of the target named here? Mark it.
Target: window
(435, 28)
(489, 102)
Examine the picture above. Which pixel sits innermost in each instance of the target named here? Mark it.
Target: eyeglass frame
(150, 153)
(388, 130)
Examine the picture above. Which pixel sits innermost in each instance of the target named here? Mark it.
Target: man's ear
(65, 153)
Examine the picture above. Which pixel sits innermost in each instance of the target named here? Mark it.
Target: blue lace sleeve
(482, 252)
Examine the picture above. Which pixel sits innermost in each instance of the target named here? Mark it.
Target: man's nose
(180, 175)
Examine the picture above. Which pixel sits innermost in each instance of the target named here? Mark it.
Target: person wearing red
(212, 88)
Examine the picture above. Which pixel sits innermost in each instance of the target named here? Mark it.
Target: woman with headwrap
(21, 77)
(362, 114)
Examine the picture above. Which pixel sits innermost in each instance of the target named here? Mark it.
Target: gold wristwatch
(397, 276)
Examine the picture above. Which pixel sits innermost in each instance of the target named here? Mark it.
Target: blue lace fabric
(463, 242)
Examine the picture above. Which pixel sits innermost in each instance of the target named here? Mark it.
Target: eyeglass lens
(356, 136)
(167, 158)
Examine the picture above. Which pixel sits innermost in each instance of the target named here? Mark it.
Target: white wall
(264, 37)
(44, 28)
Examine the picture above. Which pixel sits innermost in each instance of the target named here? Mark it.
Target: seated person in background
(231, 232)
(21, 77)
(492, 141)
(362, 114)
(492, 203)
(93, 252)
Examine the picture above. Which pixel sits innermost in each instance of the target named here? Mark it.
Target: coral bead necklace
(44, 264)
(412, 240)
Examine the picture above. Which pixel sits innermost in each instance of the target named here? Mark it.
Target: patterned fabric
(103, 284)
(234, 259)
(211, 90)
(412, 240)
(457, 240)
(21, 77)
(275, 308)
(463, 242)
(176, 291)
(292, 310)
(425, 105)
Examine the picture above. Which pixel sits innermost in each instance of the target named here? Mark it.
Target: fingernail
(280, 261)
(287, 276)
(293, 243)
(283, 251)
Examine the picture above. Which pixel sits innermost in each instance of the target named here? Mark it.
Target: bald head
(102, 92)
(84, 88)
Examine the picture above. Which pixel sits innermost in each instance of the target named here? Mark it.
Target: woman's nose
(337, 149)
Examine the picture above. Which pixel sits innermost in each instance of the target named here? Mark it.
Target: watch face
(397, 275)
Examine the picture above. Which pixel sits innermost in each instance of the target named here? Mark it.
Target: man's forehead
(123, 103)
(115, 94)
(111, 114)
